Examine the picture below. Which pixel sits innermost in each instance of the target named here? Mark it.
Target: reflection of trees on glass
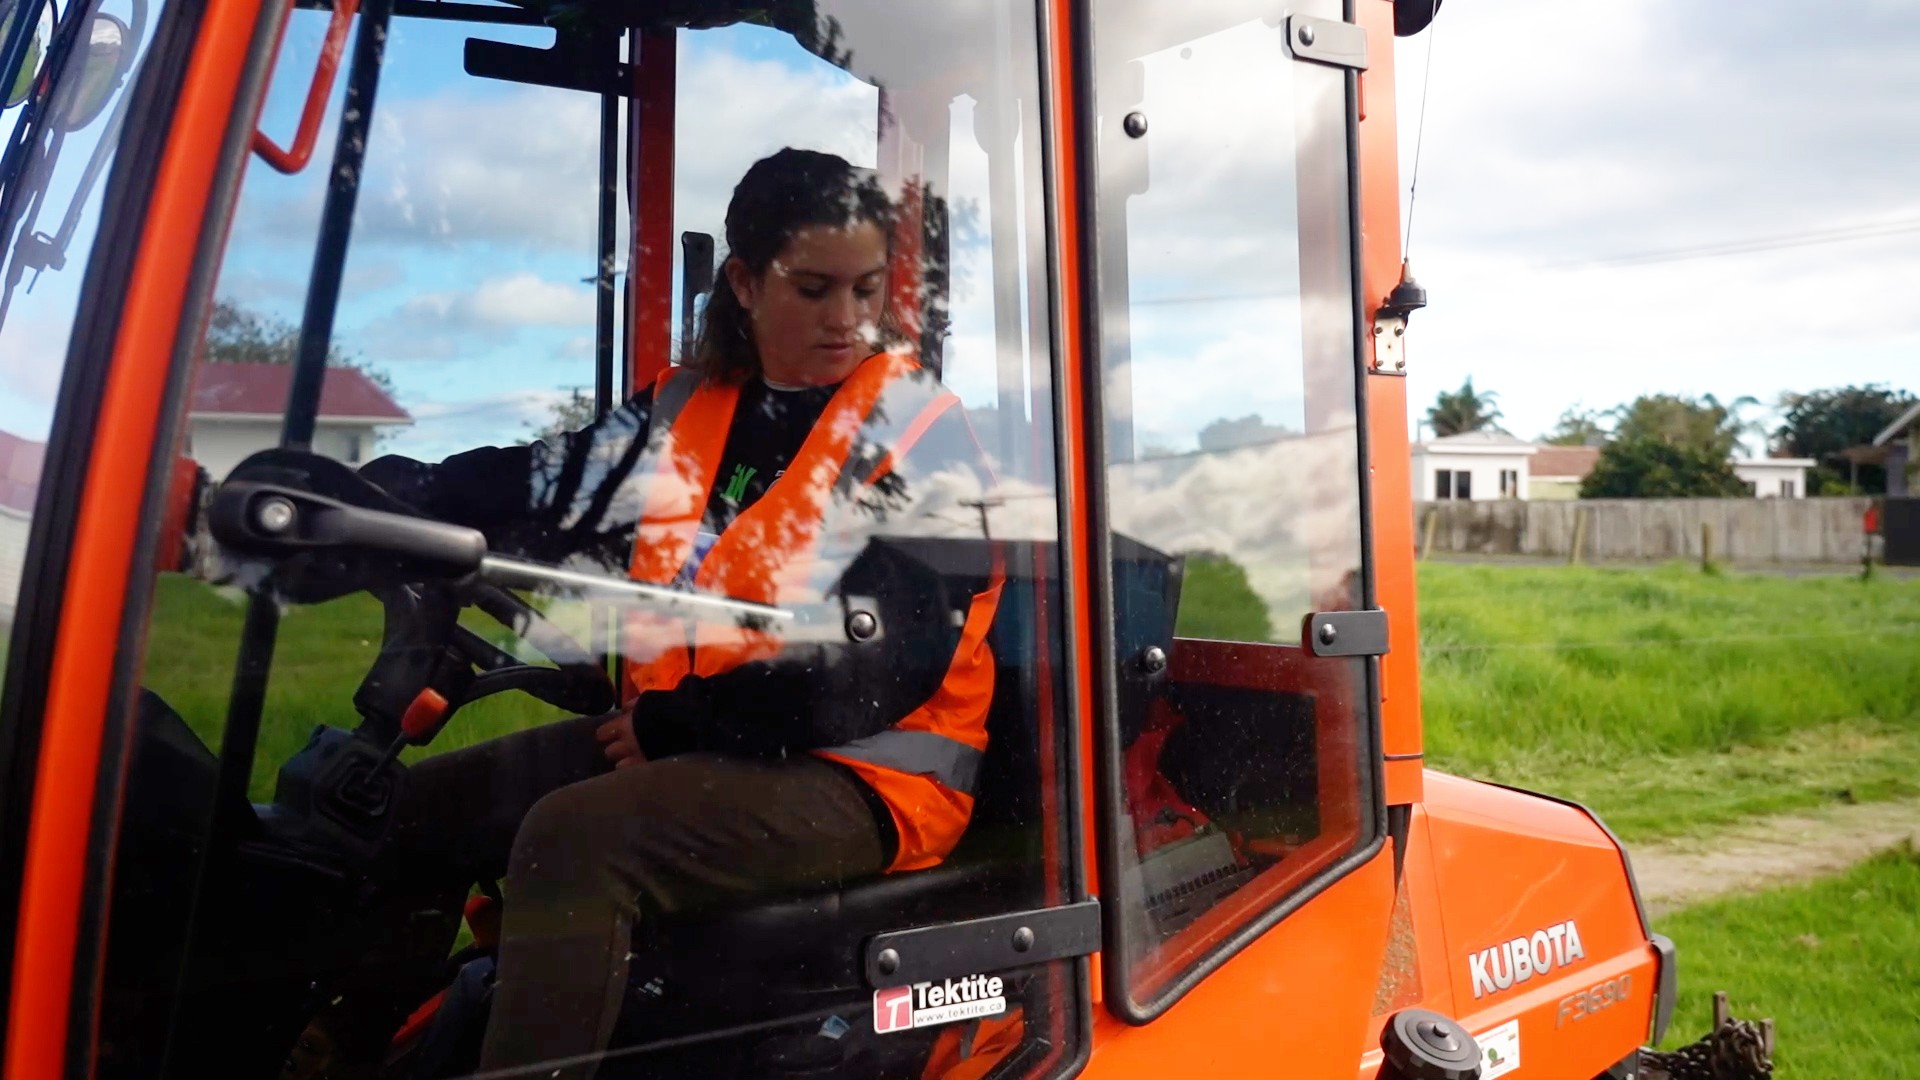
(1249, 430)
(1217, 601)
(237, 335)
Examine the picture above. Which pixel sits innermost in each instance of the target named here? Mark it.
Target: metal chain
(1733, 1050)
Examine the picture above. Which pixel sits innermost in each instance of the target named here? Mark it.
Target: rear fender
(1543, 925)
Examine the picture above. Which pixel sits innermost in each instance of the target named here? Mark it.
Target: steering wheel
(429, 665)
(575, 683)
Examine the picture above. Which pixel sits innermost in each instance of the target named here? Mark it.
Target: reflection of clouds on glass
(439, 325)
(1213, 310)
(33, 354)
(443, 428)
(1286, 511)
(458, 169)
(1219, 215)
(736, 107)
(1225, 370)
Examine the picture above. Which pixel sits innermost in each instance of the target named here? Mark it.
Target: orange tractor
(1151, 248)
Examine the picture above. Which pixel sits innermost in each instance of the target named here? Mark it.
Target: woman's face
(815, 312)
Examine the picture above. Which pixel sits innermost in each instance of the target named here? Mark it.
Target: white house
(1475, 466)
(1774, 478)
(1482, 465)
(237, 410)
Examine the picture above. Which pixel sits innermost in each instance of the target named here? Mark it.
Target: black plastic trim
(1052, 172)
(1111, 805)
(109, 268)
(1399, 830)
(1064, 464)
(1118, 994)
(1639, 905)
(1002, 942)
(448, 11)
(1669, 987)
(345, 170)
(236, 146)
(605, 298)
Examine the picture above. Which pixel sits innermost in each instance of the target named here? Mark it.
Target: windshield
(689, 391)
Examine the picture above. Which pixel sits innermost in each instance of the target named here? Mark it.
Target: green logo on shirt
(737, 486)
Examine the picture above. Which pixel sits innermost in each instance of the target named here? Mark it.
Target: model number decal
(1511, 963)
(1585, 1003)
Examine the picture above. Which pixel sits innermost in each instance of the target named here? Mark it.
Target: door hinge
(979, 946)
(1327, 41)
(1347, 633)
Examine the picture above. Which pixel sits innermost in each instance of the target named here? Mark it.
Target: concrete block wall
(1817, 530)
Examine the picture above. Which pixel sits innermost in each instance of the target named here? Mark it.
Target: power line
(1837, 235)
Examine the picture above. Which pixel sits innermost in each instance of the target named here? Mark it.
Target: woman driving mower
(746, 761)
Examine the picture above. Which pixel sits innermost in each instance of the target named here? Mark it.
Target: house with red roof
(1558, 470)
(237, 409)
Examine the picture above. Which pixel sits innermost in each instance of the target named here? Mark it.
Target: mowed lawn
(1670, 700)
(1835, 963)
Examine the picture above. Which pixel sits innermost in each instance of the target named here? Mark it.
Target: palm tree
(1463, 410)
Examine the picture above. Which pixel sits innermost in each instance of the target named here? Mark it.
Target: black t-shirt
(769, 426)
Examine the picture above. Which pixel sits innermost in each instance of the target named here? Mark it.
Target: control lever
(272, 519)
(277, 520)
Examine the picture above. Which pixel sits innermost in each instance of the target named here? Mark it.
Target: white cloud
(446, 427)
(434, 325)
(1648, 129)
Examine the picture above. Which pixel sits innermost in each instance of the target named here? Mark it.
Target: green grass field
(1671, 700)
(1835, 963)
(321, 653)
(1667, 699)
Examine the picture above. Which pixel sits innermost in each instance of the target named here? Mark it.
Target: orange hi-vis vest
(923, 766)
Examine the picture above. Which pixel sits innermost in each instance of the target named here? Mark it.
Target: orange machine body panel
(1389, 453)
(1485, 889)
(1301, 991)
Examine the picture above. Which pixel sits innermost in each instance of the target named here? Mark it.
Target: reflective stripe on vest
(924, 766)
(922, 753)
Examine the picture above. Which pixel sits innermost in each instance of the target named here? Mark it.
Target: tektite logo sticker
(903, 1008)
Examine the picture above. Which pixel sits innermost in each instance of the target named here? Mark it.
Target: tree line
(1671, 446)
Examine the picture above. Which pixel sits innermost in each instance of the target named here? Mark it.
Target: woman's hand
(617, 741)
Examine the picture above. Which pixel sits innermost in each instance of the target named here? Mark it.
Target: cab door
(1246, 884)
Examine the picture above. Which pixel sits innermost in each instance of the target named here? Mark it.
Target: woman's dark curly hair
(780, 195)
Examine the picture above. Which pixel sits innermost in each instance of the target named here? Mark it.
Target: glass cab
(638, 490)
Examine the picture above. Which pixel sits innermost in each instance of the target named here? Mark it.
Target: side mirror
(103, 64)
(29, 64)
